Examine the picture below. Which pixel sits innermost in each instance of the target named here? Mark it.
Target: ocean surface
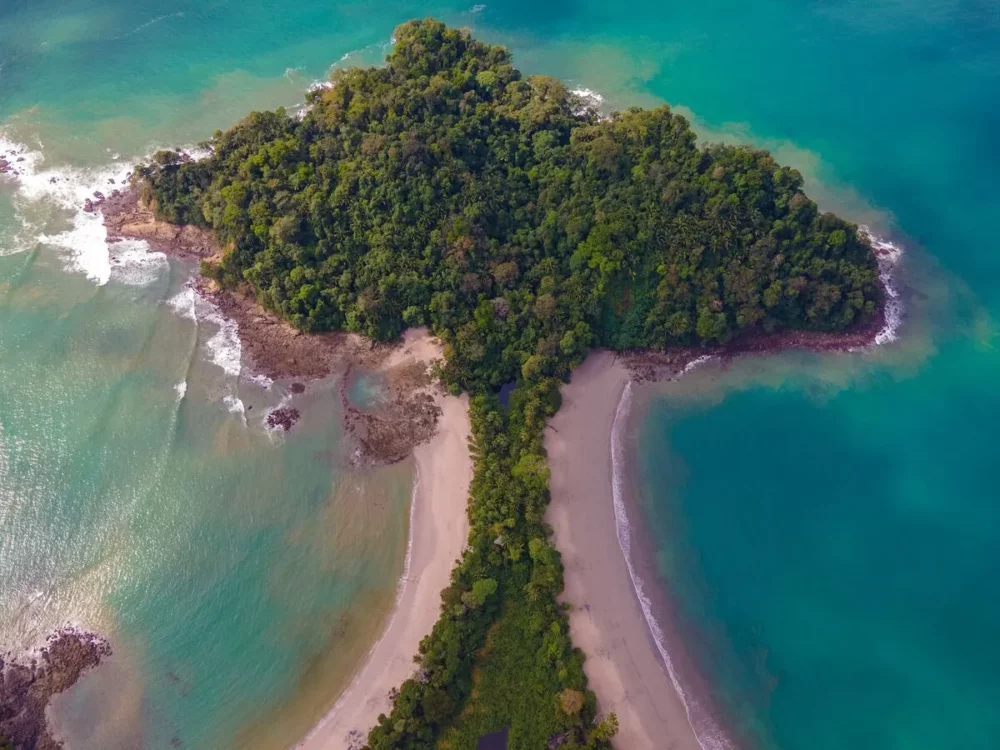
(821, 527)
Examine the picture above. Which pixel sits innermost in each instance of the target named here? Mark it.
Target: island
(524, 229)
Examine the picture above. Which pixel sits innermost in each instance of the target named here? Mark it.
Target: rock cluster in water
(27, 683)
(9, 162)
(284, 417)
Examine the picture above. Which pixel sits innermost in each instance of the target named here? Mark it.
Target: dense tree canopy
(446, 189)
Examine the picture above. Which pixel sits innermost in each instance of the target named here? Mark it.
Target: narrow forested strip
(447, 189)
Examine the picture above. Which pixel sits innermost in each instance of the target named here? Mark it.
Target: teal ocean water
(826, 527)
(823, 525)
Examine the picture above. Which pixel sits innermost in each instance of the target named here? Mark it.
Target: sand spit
(623, 666)
(439, 529)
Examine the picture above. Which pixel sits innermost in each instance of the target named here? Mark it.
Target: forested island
(523, 228)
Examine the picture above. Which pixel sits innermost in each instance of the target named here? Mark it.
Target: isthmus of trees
(447, 189)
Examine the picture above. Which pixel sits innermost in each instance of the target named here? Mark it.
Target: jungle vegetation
(447, 189)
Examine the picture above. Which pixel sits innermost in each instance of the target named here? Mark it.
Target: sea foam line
(66, 189)
(888, 256)
(151, 22)
(224, 348)
(711, 736)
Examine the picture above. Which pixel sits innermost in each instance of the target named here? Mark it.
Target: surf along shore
(611, 615)
(414, 416)
(626, 666)
(623, 667)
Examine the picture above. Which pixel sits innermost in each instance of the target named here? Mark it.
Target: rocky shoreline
(407, 417)
(28, 683)
(126, 218)
(383, 434)
(651, 366)
(9, 162)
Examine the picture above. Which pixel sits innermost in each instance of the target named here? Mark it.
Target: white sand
(439, 530)
(623, 665)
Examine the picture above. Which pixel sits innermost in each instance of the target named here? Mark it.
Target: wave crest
(708, 734)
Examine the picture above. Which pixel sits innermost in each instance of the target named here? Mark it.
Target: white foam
(235, 404)
(197, 153)
(589, 94)
(696, 363)
(66, 189)
(181, 390)
(134, 264)
(223, 348)
(261, 381)
(888, 255)
(87, 244)
(477, 8)
(151, 22)
(183, 303)
(706, 732)
(590, 101)
(275, 428)
(301, 109)
(86, 239)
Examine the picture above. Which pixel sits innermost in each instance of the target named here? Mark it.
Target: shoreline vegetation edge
(256, 325)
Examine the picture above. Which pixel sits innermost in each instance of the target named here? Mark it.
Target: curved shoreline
(437, 535)
(623, 529)
(621, 635)
(624, 667)
(704, 727)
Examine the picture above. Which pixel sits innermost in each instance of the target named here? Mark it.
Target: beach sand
(439, 528)
(623, 665)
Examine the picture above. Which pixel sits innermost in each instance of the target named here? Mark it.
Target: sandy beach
(438, 531)
(623, 665)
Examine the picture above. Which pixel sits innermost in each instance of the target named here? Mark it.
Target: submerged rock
(26, 686)
(283, 417)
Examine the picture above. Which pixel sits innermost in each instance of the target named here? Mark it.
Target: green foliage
(446, 189)
(500, 655)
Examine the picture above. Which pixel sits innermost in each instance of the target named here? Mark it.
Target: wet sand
(623, 665)
(438, 532)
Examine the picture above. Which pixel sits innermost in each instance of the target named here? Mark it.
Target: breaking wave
(590, 101)
(888, 255)
(708, 734)
(223, 348)
(45, 198)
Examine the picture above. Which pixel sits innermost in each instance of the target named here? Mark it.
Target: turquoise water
(848, 538)
(836, 576)
(236, 571)
(827, 528)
